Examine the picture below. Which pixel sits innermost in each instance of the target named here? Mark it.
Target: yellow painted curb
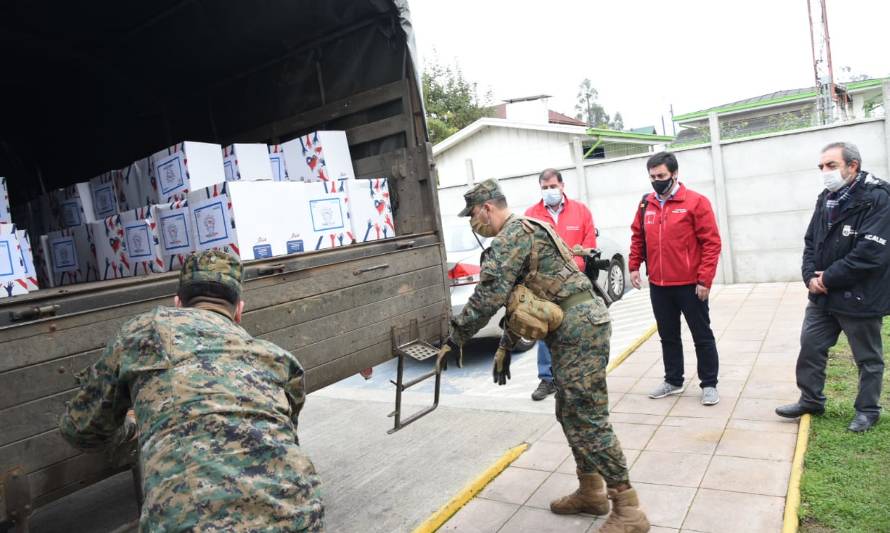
(472, 489)
(792, 500)
(466, 494)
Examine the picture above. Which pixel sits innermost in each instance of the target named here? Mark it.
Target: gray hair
(848, 151)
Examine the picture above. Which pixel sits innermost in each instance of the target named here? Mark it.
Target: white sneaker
(666, 389)
(709, 396)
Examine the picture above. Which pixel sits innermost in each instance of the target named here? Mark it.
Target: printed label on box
(70, 213)
(170, 173)
(294, 247)
(103, 201)
(262, 251)
(326, 214)
(210, 223)
(139, 244)
(175, 233)
(6, 259)
(64, 255)
(229, 169)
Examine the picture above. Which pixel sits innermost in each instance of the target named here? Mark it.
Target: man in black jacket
(846, 267)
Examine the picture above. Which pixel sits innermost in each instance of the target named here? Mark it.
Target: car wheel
(524, 344)
(615, 282)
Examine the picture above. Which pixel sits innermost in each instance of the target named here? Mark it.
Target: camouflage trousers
(580, 353)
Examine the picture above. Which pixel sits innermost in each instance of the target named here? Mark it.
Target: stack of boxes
(251, 200)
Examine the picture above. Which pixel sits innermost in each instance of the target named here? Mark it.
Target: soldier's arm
(295, 389)
(501, 265)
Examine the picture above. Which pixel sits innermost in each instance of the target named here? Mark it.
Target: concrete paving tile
(779, 425)
(693, 422)
(780, 344)
(700, 440)
(738, 358)
(738, 334)
(756, 409)
(771, 390)
(754, 476)
(770, 445)
(750, 513)
(635, 418)
(646, 385)
(637, 403)
(480, 516)
(554, 434)
(555, 486)
(691, 406)
(633, 436)
(629, 369)
(532, 520)
(780, 373)
(777, 358)
(614, 398)
(662, 468)
(620, 383)
(655, 529)
(664, 506)
(514, 485)
(733, 372)
(543, 455)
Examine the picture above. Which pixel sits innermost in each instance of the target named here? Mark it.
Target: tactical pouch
(530, 316)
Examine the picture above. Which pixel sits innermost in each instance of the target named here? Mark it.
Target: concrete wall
(771, 184)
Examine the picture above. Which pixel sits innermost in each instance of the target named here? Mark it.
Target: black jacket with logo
(854, 254)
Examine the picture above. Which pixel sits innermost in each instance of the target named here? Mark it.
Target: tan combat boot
(590, 497)
(626, 515)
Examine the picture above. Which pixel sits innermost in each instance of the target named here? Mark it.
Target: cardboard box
(176, 231)
(248, 162)
(12, 264)
(5, 213)
(47, 212)
(279, 167)
(318, 156)
(183, 167)
(370, 209)
(73, 205)
(133, 185)
(104, 195)
(142, 242)
(30, 279)
(71, 256)
(329, 214)
(42, 263)
(251, 220)
(111, 248)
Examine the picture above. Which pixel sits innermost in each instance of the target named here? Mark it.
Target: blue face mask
(551, 197)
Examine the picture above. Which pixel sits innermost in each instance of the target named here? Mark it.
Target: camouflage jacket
(217, 413)
(504, 264)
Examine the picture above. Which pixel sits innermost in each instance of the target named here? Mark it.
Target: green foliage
(450, 100)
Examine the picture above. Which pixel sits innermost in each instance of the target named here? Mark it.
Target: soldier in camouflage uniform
(216, 412)
(524, 251)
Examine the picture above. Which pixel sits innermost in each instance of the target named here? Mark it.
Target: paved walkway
(698, 469)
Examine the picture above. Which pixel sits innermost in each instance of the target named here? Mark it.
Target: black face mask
(663, 186)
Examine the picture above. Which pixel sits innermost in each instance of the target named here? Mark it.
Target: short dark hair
(849, 152)
(500, 202)
(667, 159)
(207, 289)
(548, 173)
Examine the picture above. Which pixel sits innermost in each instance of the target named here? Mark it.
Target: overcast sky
(644, 55)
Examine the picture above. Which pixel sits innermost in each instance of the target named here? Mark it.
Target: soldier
(216, 411)
(528, 268)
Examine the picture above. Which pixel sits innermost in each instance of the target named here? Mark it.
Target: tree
(617, 123)
(591, 112)
(451, 101)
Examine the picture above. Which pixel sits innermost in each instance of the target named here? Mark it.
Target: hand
(817, 285)
(702, 292)
(501, 369)
(635, 279)
(442, 357)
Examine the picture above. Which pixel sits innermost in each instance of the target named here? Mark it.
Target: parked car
(463, 252)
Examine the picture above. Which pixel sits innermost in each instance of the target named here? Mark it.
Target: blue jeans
(544, 372)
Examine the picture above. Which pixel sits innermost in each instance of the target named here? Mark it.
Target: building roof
(771, 99)
(558, 118)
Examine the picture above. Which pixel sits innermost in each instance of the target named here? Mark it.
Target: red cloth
(682, 240)
(575, 224)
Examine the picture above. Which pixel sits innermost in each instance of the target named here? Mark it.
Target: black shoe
(862, 422)
(545, 389)
(794, 410)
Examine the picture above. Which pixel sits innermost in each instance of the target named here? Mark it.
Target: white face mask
(833, 180)
(551, 197)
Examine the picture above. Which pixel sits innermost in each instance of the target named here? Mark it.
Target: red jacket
(682, 240)
(575, 224)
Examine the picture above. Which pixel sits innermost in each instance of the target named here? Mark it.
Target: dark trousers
(819, 333)
(668, 303)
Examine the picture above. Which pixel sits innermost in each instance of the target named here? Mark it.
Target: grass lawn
(846, 479)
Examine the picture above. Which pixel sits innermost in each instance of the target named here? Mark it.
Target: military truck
(91, 86)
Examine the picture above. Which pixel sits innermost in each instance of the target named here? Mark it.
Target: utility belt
(533, 317)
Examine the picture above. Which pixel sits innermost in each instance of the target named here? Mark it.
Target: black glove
(501, 369)
(448, 347)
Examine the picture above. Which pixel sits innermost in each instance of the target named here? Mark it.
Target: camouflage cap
(481, 193)
(212, 266)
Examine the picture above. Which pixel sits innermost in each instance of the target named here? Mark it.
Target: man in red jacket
(574, 223)
(675, 233)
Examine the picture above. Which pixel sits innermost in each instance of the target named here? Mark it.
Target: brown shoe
(590, 497)
(626, 515)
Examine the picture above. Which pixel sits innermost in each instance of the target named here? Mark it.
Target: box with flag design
(73, 205)
(142, 242)
(12, 264)
(111, 248)
(5, 212)
(251, 220)
(248, 162)
(318, 156)
(276, 158)
(329, 214)
(183, 167)
(30, 279)
(176, 232)
(370, 209)
(71, 255)
(104, 194)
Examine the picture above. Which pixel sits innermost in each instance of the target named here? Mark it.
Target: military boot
(590, 497)
(626, 515)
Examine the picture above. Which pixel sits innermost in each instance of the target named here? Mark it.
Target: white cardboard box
(104, 195)
(28, 258)
(276, 158)
(71, 256)
(5, 213)
(12, 264)
(111, 248)
(248, 162)
(184, 167)
(142, 242)
(370, 209)
(73, 205)
(133, 185)
(318, 156)
(176, 233)
(328, 214)
(251, 220)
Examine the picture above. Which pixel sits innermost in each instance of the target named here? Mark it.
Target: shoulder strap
(644, 201)
(564, 251)
(533, 256)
